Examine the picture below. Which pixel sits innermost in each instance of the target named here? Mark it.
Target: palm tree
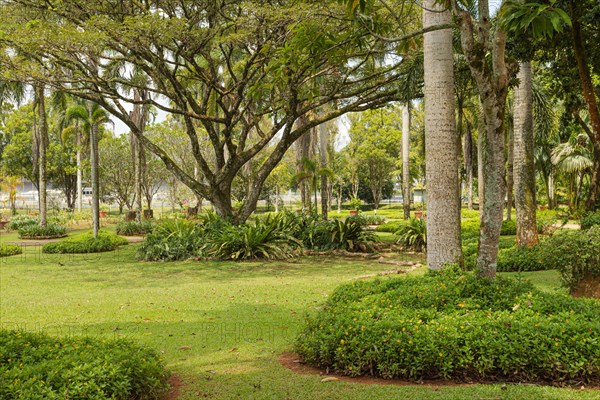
(574, 158)
(523, 159)
(443, 207)
(92, 116)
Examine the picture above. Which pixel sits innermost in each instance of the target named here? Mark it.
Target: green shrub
(509, 228)
(370, 219)
(20, 221)
(171, 240)
(86, 243)
(47, 232)
(575, 254)
(134, 228)
(453, 325)
(546, 220)
(590, 219)
(516, 259)
(7, 250)
(469, 228)
(351, 235)
(35, 366)
(267, 238)
(469, 214)
(413, 234)
(390, 227)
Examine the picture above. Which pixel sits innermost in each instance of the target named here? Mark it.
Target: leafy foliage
(7, 250)
(546, 220)
(45, 232)
(351, 235)
(389, 227)
(413, 234)
(133, 228)
(267, 238)
(416, 328)
(20, 221)
(172, 240)
(86, 243)
(590, 219)
(35, 366)
(509, 228)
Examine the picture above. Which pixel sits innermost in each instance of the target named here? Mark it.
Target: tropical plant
(86, 243)
(351, 235)
(413, 234)
(172, 239)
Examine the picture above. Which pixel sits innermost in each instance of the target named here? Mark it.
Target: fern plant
(413, 234)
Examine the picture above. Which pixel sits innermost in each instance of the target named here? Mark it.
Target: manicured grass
(220, 326)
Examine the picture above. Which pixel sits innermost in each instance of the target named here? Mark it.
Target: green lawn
(219, 326)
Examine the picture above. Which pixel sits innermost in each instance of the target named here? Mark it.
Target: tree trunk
(550, 190)
(524, 167)
(590, 99)
(138, 117)
(442, 156)
(94, 175)
(509, 174)
(323, 142)
(79, 172)
(405, 160)
(480, 179)
(468, 159)
(42, 148)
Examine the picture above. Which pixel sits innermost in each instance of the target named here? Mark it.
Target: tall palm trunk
(468, 160)
(42, 134)
(509, 173)
(524, 167)
(480, 145)
(405, 160)
(442, 160)
(94, 173)
(79, 144)
(323, 142)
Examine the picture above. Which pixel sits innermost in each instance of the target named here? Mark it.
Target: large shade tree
(222, 67)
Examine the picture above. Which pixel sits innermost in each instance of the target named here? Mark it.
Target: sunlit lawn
(219, 326)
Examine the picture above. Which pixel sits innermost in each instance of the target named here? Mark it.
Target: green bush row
(134, 228)
(7, 250)
(35, 366)
(46, 232)
(267, 237)
(86, 243)
(390, 227)
(453, 325)
(590, 219)
(20, 221)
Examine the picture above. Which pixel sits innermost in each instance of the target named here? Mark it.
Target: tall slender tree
(442, 156)
(406, 190)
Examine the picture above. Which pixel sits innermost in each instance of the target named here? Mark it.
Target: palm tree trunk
(94, 175)
(405, 160)
(468, 159)
(524, 168)
(480, 179)
(79, 171)
(509, 174)
(443, 196)
(323, 142)
(42, 148)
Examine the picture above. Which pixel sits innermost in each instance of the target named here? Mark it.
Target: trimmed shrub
(516, 259)
(171, 240)
(134, 228)
(35, 366)
(509, 228)
(20, 221)
(86, 243)
(413, 234)
(49, 231)
(469, 228)
(575, 254)
(590, 219)
(454, 325)
(469, 214)
(390, 227)
(7, 250)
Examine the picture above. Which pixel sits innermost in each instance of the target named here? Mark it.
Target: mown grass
(220, 326)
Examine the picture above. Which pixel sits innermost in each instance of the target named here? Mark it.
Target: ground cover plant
(7, 250)
(36, 366)
(416, 328)
(49, 231)
(590, 219)
(86, 243)
(19, 221)
(220, 326)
